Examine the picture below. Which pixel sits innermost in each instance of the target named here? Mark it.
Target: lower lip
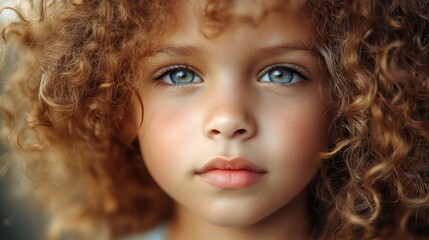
(231, 179)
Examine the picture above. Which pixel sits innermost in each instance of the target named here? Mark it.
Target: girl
(222, 119)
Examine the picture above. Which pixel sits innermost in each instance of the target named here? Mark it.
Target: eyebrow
(291, 48)
(187, 50)
(175, 50)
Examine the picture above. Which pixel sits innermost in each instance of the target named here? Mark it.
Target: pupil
(182, 76)
(280, 76)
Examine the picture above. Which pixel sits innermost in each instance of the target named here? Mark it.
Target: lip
(235, 173)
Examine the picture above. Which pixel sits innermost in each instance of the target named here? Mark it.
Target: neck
(289, 222)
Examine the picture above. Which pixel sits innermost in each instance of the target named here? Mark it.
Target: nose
(229, 120)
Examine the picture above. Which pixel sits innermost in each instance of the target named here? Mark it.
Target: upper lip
(237, 163)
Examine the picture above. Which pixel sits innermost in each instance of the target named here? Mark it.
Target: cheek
(163, 138)
(292, 142)
(297, 135)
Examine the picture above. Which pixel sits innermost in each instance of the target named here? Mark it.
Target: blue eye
(177, 75)
(282, 75)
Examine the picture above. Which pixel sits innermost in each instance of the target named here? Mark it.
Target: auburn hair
(71, 69)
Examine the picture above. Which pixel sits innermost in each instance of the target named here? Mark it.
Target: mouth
(236, 173)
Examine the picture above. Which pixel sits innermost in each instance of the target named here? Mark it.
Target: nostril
(215, 132)
(240, 131)
(236, 133)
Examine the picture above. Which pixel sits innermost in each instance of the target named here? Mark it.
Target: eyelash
(293, 69)
(161, 72)
(171, 69)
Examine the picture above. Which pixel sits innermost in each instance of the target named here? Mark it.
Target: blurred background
(19, 218)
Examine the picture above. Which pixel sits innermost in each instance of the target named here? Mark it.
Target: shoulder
(158, 233)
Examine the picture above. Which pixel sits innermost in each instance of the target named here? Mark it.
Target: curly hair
(375, 178)
(72, 67)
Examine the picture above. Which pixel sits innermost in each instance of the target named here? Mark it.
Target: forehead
(215, 12)
(236, 18)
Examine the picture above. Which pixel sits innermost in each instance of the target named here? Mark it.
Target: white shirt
(158, 233)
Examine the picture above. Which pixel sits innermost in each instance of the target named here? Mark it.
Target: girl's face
(232, 124)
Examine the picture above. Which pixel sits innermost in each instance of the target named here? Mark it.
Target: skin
(232, 109)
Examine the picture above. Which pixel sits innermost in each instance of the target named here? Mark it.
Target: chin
(233, 219)
(227, 223)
